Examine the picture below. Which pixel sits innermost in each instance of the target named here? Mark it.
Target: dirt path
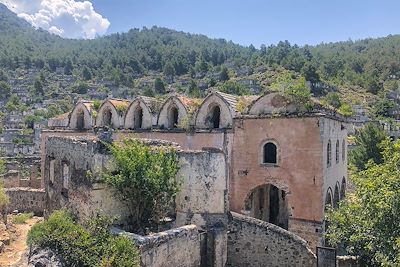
(18, 233)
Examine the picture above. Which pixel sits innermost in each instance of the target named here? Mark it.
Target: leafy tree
(346, 110)
(86, 246)
(296, 89)
(333, 99)
(38, 87)
(235, 88)
(169, 70)
(30, 120)
(80, 88)
(159, 86)
(145, 178)
(86, 74)
(383, 107)
(366, 223)
(5, 89)
(224, 74)
(368, 146)
(68, 67)
(194, 90)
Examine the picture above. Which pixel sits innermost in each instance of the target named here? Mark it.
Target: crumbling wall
(175, 247)
(252, 242)
(202, 199)
(26, 200)
(80, 161)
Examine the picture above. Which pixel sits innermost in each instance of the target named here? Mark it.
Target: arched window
(328, 198)
(336, 197)
(80, 120)
(337, 151)
(270, 153)
(343, 150)
(173, 116)
(107, 117)
(216, 117)
(138, 118)
(329, 153)
(343, 189)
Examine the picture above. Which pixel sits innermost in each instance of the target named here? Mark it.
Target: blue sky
(256, 22)
(246, 22)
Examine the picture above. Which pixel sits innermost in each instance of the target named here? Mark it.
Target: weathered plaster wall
(117, 119)
(253, 242)
(178, 247)
(85, 164)
(204, 188)
(271, 103)
(88, 121)
(26, 200)
(298, 171)
(204, 113)
(163, 116)
(147, 118)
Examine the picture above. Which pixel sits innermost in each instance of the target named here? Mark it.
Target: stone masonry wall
(179, 247)
(26, 200)
(309, 230)
(253, 242)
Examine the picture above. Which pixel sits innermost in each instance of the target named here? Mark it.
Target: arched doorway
(107, 117)
(215, 117)
(328, 198)
(268, 203)
(80, 120)
(173, 116)
(138, 118)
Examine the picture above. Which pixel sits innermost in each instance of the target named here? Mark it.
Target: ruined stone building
(272, 163)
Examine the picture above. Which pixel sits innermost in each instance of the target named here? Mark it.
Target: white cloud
(67, 18)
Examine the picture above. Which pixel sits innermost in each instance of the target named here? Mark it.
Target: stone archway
(268, 203)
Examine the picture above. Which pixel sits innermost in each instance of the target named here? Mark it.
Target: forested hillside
(359, 72)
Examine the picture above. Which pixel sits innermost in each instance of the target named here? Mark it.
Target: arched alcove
(268, 203)
(336, 196)
(343, 189)
(328, 198)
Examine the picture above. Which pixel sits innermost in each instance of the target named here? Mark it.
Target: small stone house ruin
(281, 166)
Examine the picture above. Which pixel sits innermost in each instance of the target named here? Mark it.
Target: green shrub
(22, 218)
(145, 178)
(76, 245)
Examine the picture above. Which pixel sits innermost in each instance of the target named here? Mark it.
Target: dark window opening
(329, 154)
(337, 151)
(138, 118)
(328, 199)
(270, 153)
(336, 197)
(216, 117)
(173, 117)
(343, 189)
(107, 118)
(80, 120)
